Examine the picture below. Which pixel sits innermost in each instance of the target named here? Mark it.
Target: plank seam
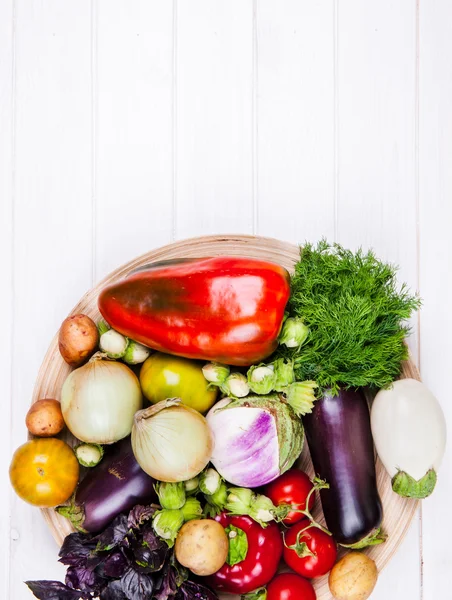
(12, 277)
(255, 123)
(336, 118)
(416, 180)
(174, 124)
(94, 132)
(418, 245)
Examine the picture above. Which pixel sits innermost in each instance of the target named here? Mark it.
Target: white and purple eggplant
(256, 438)
(340, 442)
(409, 431)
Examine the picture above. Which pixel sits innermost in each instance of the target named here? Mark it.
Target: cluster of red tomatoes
(306, 549)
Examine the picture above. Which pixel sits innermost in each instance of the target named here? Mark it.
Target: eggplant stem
(375, 537)
(74, 513)
(407, 487)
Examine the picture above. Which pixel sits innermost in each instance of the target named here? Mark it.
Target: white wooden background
(125, 124)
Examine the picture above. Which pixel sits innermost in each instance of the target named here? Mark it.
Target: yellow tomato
(164, 376)
(44, 472)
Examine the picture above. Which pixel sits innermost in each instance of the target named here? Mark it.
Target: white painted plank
(435, 197)
(376, 200)
(133, 121)
(376, 130)
(6, 295)
(214, 68)
(295, 126)
(52, 243)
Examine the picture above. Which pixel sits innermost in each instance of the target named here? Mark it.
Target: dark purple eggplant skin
(341, 446)
(116, 485)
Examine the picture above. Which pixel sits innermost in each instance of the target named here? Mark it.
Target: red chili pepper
(225, 309)
(261, 560)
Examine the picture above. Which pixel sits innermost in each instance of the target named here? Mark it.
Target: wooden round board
(398, 512)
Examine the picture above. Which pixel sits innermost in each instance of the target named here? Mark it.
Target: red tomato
(288, 586)
(314, 551)
(292, 488)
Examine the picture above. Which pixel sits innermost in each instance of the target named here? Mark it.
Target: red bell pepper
(260, 559)
(226, 309)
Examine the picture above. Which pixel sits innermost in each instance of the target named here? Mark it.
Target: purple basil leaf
(136, 585)
(190, 590)
(79, 578)
(77, 548)
(152, 541)
(170, 579)
(55, 590)
(113, 535)
(93, 561)
(113, 591)
(167, 586)
(139, 514)
(114, 565)
(149, 561)
(181, 573)
(150, 552)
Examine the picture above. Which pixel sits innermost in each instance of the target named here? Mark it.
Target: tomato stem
(259, 594)
(301, 548)
(284, 509)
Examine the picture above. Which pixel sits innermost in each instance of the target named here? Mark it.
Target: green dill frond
(356, 314)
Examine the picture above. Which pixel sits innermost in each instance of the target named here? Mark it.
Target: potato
(78, 339)
(202, 546)
(45, 418)
(353, 577)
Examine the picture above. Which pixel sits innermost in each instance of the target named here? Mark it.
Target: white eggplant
(409, 432)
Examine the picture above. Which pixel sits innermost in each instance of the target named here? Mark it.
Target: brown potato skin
(45, 418)
(353, 577)
(78, 339)
(202, 546)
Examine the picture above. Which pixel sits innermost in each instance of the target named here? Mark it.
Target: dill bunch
(356, 315)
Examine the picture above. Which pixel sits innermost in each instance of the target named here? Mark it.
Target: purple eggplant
(116, 485)
(341, 446)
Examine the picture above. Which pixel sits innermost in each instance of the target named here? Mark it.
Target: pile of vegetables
(191, 401)
(126, 560)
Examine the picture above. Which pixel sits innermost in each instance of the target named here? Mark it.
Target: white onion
(99, 401)
(171, 442)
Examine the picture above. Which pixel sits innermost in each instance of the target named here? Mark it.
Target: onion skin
(156, 445)
(116, 485)
(78, 339)
(95, 407)
(340, 442)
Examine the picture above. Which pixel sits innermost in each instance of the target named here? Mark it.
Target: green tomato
(164, 376)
